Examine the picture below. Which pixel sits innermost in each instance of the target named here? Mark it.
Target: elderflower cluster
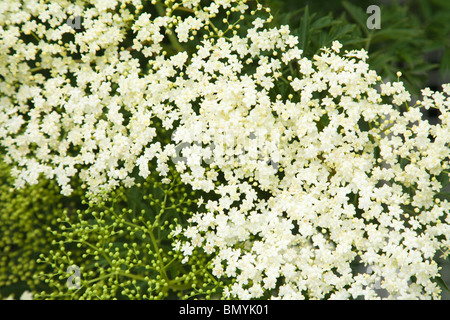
(75, 101)
(309, 185)
(309, 166)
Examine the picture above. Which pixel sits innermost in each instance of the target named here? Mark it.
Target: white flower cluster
(308, 184)
(65, 92)
(317, 182)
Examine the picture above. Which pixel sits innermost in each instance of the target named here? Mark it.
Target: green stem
(211, 277)
(35, 36)
(170, 262)
(161, 263)
(97, 249)
(387, 128)
(132, 276)
(36, 69)
(368, 41)
(105, 276)
(180, 287)
(172, 38)
(172, 284)
(184, 9)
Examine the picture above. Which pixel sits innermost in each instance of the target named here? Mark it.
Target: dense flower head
(309, 165)
(329, 177)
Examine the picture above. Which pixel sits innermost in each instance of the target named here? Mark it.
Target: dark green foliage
(411, 33)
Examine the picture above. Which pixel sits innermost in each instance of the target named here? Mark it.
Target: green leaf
(340, 32)
(323, 22)
(304, 27)
(357, 14)
(442, 284)
(442, 3)
(424, 68)
(444, 195)
(443, 179)
(445, 62)
(393, 33)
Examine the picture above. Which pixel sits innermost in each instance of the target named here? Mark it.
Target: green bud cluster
(122, 247)
(25, 216)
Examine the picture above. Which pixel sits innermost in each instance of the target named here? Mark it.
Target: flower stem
(170, 34)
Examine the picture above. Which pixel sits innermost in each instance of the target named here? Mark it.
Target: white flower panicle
(307, 184)
(77, 123)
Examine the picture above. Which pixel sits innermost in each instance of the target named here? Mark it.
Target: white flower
(336, 46)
